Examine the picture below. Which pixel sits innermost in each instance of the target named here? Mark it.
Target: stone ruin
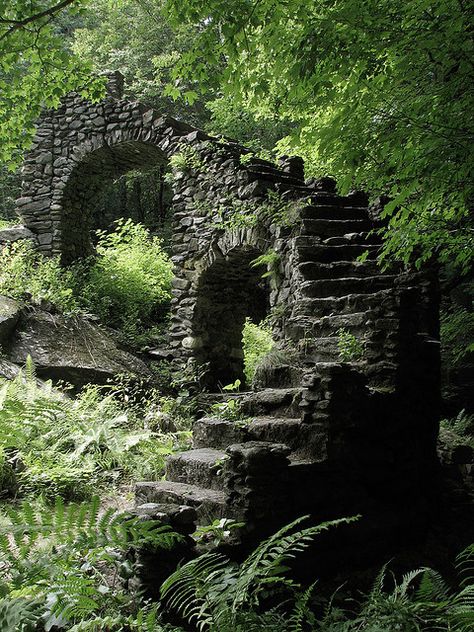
(321, 436)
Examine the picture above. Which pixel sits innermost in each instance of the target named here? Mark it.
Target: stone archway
(229, 291)
(86, 181)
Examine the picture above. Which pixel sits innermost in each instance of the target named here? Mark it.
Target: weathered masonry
(321, 436)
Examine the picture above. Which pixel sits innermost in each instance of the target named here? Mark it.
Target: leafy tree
(36, 69)
(381, 92)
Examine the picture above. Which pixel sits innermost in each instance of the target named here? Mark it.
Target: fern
(72, 561)
(214, 594)
(69, 447)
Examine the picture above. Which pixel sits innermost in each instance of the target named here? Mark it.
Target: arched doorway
(229, 291)
(85, 184)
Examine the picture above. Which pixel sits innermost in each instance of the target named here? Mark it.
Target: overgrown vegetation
(257, 342)
(378, 94)
(71, 568)
(54, 446)
(349, 346)
(127, 285)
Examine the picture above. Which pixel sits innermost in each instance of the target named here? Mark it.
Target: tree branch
(19, 24)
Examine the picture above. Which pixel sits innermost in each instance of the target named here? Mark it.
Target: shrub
(129, 281)
(26, 275)
(128, 284)
(256, 342)
(70, 447)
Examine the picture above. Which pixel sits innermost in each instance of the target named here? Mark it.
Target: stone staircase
(278, 460)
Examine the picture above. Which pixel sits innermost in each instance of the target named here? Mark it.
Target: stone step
(312, 270)
(357, 198)
(333, 227)
(209, 503)
(302, 326)
(302, 439)
(324, 349)
(218, 434)
(343, 286)
(311, 249)
(196, 467)
(333, 212)
(278, 376)
(350, 304)
(279, 402)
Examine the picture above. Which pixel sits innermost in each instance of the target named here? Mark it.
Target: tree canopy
(36, 68)
(380, 91)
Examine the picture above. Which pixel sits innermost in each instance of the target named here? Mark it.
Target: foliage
(228, 409)
(271, 260)
(457, 327)
(459, 430)
(187, 159)
(380, 94)
(66, 447)
(220, 596)
(137, 39)
(350, 347)
(130, 280)
(259, 133)
(256, 343)
(217, 532)
(69, 567)
(27, 275)
(128, 284)
(422, 600)
(36, 69)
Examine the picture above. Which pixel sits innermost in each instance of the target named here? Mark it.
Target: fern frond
(465, 565)
(301, 611)
(185, 591)
(19, 614)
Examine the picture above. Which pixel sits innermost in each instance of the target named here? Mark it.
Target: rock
(15, 233)
(9, 316)
(70, 349)
(8, 370)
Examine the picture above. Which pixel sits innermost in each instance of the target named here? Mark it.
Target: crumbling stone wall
(360, 428)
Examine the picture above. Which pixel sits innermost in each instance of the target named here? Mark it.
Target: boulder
(15, 233)
(9, 315)
(71, 349)
(8, 370)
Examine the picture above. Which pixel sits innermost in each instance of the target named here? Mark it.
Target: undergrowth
(257, 341)
(127, 284)
(54, 445)
(72, 568)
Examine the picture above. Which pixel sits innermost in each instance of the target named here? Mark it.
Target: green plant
(421, 601)
(350, 347)
(69, 567)
(69, 447)
(232, 388)
(457, 331)
(257, 342)
(27, 276)
(246, 159)
(217, 532)
(272, 261)
(229, 409)
(458, 430)
(130, 280)
(187, 159)
(220, 596)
